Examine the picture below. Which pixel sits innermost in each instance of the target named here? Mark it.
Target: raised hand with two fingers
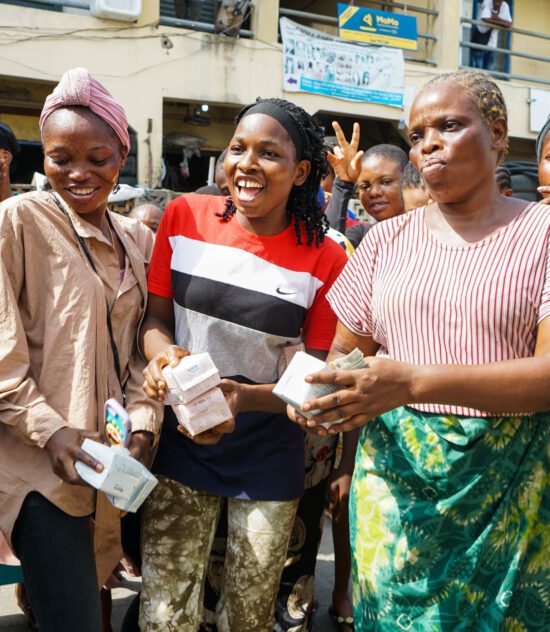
(346, 159)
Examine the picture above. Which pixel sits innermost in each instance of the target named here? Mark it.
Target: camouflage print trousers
(179, 524)
(294, 603)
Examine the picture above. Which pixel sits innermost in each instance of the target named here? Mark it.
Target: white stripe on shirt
(238, 267)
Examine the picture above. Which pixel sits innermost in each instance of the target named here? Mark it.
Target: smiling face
(544, 164)
(379, 187)
(261, 169)
(82, 159)
(454, 150)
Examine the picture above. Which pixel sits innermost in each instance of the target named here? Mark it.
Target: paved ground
(12, 621)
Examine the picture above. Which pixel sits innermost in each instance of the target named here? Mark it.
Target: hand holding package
(126, 481)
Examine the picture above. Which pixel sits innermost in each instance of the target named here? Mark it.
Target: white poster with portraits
(319, 63)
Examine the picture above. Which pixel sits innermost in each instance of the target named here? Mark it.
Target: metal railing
(333, 21)
(197, 26)
(406, 7)
(507, 51)
(203, 18)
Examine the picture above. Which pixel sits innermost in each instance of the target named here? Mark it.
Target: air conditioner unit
(125, 10)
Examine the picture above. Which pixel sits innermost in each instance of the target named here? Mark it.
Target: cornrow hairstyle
(302, 205)
(484, 93)
(411, 178)
(390, 152)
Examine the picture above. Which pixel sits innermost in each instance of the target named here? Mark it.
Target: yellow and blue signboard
(377, 27)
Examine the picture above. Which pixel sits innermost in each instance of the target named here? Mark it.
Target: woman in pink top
(450, 506)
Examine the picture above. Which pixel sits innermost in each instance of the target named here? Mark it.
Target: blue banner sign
(377, 27)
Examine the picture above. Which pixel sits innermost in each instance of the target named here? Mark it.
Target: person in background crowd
(543, 158)
(242, 278)
(450, 303)
(148, 214)
(377, 173)
(219, 174)
(294, 607)
(73, 287)
(329, 143)
(493, 12)
(379, 182)
(9, 148)
(10, 571)
(504, 180)
(219, 187)
(338, 214)
(413, 188)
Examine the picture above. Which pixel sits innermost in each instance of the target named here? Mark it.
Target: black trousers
(57, 559)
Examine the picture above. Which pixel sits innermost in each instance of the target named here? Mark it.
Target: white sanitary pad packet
(126, 482)
(194, 375)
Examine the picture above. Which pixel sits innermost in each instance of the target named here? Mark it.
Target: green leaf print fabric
(450, 523)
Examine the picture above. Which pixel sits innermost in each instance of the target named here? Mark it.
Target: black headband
(284, 118)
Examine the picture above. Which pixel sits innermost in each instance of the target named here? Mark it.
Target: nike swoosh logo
(279, 291)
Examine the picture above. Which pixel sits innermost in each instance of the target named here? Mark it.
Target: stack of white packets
(194, 394)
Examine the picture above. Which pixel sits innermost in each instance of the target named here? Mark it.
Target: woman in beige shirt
(65, 265)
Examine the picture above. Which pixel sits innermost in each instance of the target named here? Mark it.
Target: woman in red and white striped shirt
(450, 506)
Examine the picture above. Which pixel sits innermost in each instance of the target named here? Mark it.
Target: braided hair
(302, 206)
(482, 90)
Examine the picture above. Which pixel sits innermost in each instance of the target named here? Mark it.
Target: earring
(116, 188)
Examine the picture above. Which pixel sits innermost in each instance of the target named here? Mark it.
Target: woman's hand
(154, 385)
(346, 159)
(233, 393)
(212, 436)
(366, 393)
(545, 192)
(64, 447)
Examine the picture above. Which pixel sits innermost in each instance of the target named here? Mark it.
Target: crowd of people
(439, 488)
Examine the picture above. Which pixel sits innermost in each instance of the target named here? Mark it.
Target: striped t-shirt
(425, 302)
(242, 298)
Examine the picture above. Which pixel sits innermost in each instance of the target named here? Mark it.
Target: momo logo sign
(377, 27)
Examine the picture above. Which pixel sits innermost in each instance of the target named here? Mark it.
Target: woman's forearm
(259, 397)
(154, 337)
(511, 386)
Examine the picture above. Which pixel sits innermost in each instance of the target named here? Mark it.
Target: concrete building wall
(144, 65)
(531, 16)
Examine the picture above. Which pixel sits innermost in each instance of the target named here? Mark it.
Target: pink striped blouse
(426, 302)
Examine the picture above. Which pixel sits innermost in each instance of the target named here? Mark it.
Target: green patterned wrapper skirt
(450, 523)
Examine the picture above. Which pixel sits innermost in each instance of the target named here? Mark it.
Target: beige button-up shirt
(56, 361)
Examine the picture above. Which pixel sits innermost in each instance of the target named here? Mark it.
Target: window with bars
(193, 10)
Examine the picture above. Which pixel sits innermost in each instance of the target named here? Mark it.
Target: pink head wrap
(78, 87)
